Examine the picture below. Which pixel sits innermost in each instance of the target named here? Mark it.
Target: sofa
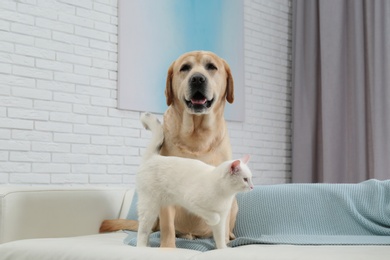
(61, 223)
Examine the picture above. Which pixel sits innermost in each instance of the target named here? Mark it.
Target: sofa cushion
(305, 214)
(315, 214)
(92, 247)
(110, 246)
(301, 252)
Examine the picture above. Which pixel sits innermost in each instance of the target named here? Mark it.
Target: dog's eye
(211, 66)
(185, 67)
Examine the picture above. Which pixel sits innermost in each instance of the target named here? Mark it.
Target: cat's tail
(150, 122)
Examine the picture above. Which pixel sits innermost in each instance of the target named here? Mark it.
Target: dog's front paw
(168, 244)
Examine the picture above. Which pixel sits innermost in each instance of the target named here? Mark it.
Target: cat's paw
(222, 246)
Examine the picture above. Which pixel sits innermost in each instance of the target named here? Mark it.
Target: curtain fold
(341, 90)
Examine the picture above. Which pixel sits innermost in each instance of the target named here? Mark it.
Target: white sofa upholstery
(63, 223)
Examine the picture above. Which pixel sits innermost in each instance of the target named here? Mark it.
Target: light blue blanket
(305, 214)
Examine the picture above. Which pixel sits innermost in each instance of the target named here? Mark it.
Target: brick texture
(58, 76)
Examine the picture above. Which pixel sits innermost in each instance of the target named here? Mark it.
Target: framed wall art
(152, 34)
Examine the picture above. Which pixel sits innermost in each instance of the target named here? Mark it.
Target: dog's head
(199, 81)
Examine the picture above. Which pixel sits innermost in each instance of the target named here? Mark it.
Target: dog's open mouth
(199, 102)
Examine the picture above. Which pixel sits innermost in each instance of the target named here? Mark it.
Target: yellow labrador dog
(198, 85)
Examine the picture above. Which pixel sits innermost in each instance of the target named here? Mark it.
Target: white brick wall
(58, 73)
(267, 127)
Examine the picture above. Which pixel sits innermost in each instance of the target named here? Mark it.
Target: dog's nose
(197, 79)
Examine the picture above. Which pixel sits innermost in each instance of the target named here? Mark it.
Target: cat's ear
(235, 166)
(246, 158)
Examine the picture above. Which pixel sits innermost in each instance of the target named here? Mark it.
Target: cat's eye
(246, 179)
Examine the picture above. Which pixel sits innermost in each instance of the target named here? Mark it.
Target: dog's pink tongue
(198, 102)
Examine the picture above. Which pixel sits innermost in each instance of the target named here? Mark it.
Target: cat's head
(240, 175)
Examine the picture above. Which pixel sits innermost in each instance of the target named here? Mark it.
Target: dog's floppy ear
(229, 84)
(168, 88)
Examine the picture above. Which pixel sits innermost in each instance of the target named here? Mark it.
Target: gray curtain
(341, 90)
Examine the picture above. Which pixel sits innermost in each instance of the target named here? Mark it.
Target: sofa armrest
(34, 212)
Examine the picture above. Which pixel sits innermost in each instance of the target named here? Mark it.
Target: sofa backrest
(37, 212)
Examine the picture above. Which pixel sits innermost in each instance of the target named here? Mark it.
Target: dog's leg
(167, 227)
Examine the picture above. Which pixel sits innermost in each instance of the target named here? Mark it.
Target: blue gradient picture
(152, 34)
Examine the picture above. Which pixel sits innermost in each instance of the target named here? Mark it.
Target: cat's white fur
(202, 189)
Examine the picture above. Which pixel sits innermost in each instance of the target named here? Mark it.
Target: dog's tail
(150, 122)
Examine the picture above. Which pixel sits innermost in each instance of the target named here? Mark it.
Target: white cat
(202, 189)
